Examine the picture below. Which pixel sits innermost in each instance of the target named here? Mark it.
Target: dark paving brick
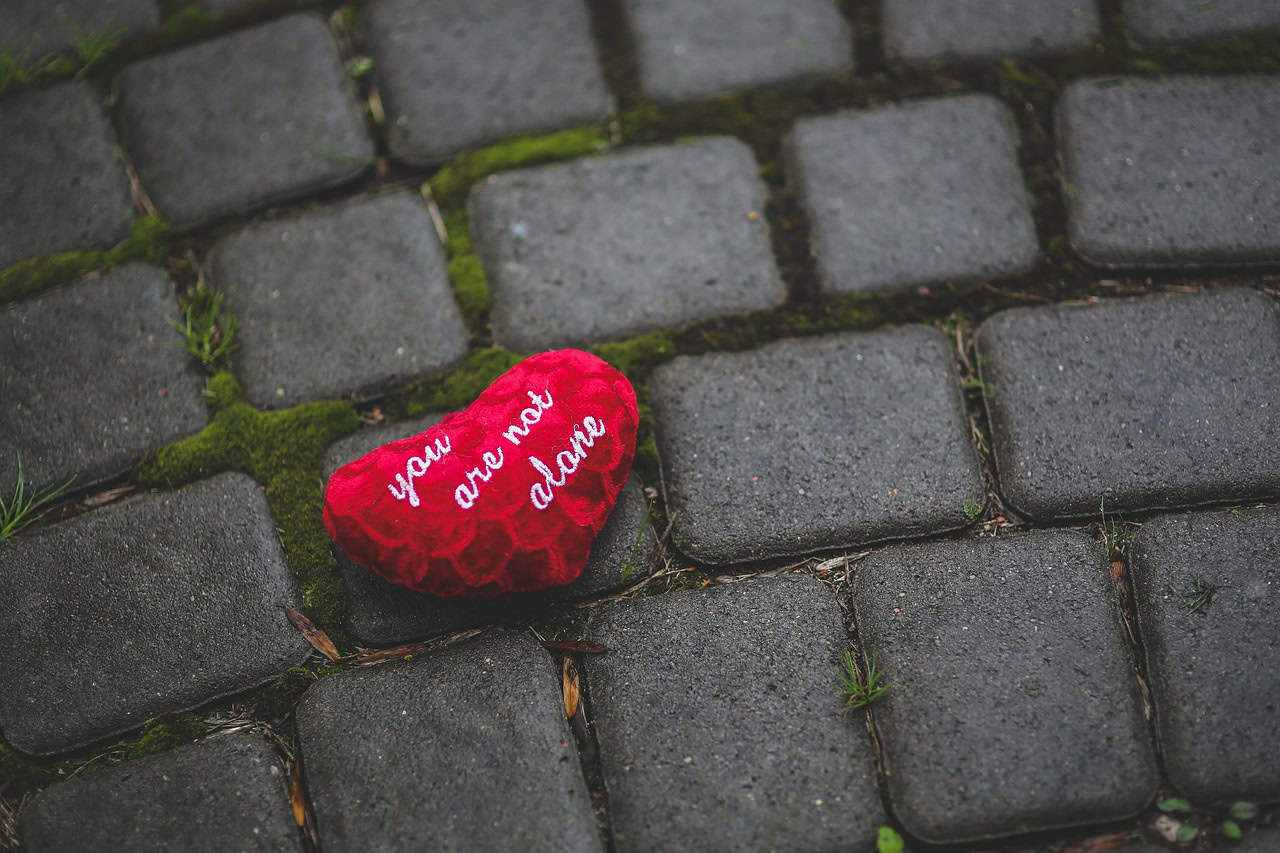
(251, 118)
(342, 300)
(810, 444)
(1176, 171)
(92, 379)
(719, 720)
(466, 749)
(697, 50)
(226, 793)
(917, 31)
(34, 28)
(1215, 672)
(1154, 402)
(1259, 840)
(62, 186)
(914, 193)
(457, 74)
(383, 613)
(158, 604)
(1182, 20)
(606, 247)
(1013, 704)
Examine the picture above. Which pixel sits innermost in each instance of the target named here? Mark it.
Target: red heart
(506, 496)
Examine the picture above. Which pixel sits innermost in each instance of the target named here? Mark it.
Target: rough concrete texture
(381, 749)
(157, 604)
(1154, 402)
(1176, 171)
(1214, 664)
(1183, 20)
(912, 194)
(35, 28)
(606, 247)
(225, 793)
(819, 443)
(919, 31)
(91, 379)
(251, 118)
(698, 50)
(383, 613)
(62, 186)
(342, 300)
(444, 91)
(1013, 706)
(719, 720)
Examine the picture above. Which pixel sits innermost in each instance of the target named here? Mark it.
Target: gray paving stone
(225, 793)
(92, 379)
(1261, 839)
(252, 118)
(342, 300)
(607, 247)
(918, 31)
(1175, 171)
(912, 194)
(383, 613)
(1183, 20)
(719, 721)
(465, 749)
(35, 28)
(458, 74)
(1013, 704)
(698, 50)
(1214, 671)
(1153, 402)
(158, 604)
(62, 186)
(809, 444)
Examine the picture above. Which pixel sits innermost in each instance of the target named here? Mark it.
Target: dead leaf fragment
(295, 797)
(318, 639)
(108, 496)
(577, 647)
(1117, 570)
(1100, 842)
(569, 674)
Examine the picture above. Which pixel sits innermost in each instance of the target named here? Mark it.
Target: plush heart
(506, 496)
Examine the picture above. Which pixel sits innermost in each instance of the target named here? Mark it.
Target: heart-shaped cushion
(506, 496)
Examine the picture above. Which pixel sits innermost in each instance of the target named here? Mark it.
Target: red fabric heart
(506, 496)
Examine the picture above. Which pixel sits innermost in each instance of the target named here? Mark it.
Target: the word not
(529, 416)
(567, 461)
(416, 466)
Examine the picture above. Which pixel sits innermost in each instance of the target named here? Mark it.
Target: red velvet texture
(506, 496)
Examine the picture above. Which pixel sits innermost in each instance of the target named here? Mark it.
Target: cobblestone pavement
(955, 326)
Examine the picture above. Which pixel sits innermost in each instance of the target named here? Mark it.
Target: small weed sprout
(861, 687)
(972, 509)
(208, 327)
(1200, 596)
(24, 509)
(20, 68)
(91, 47)
(1116, 534)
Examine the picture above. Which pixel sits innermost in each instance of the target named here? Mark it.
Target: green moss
(470, 287)
(150, 241)
(282, 451)
(638, 356)
(449, 186)
(455, 390)
(279, 697)
(166, 732)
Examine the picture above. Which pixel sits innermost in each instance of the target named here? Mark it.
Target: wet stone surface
(160, 603)
(1177, 20)
(444, 91)
(1177, 171)
(35, 28)
(341, 300)
(1152, 402)
(383, 613)
(1208, 597)
(816, 443)
(612, 246)
(225, 793)
(920, 31)
(463, 749)
(248, 119)
(91, 379)
(698, 50)
(62, 186)
(913, 194)
(1013, 704)
(719, 721)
